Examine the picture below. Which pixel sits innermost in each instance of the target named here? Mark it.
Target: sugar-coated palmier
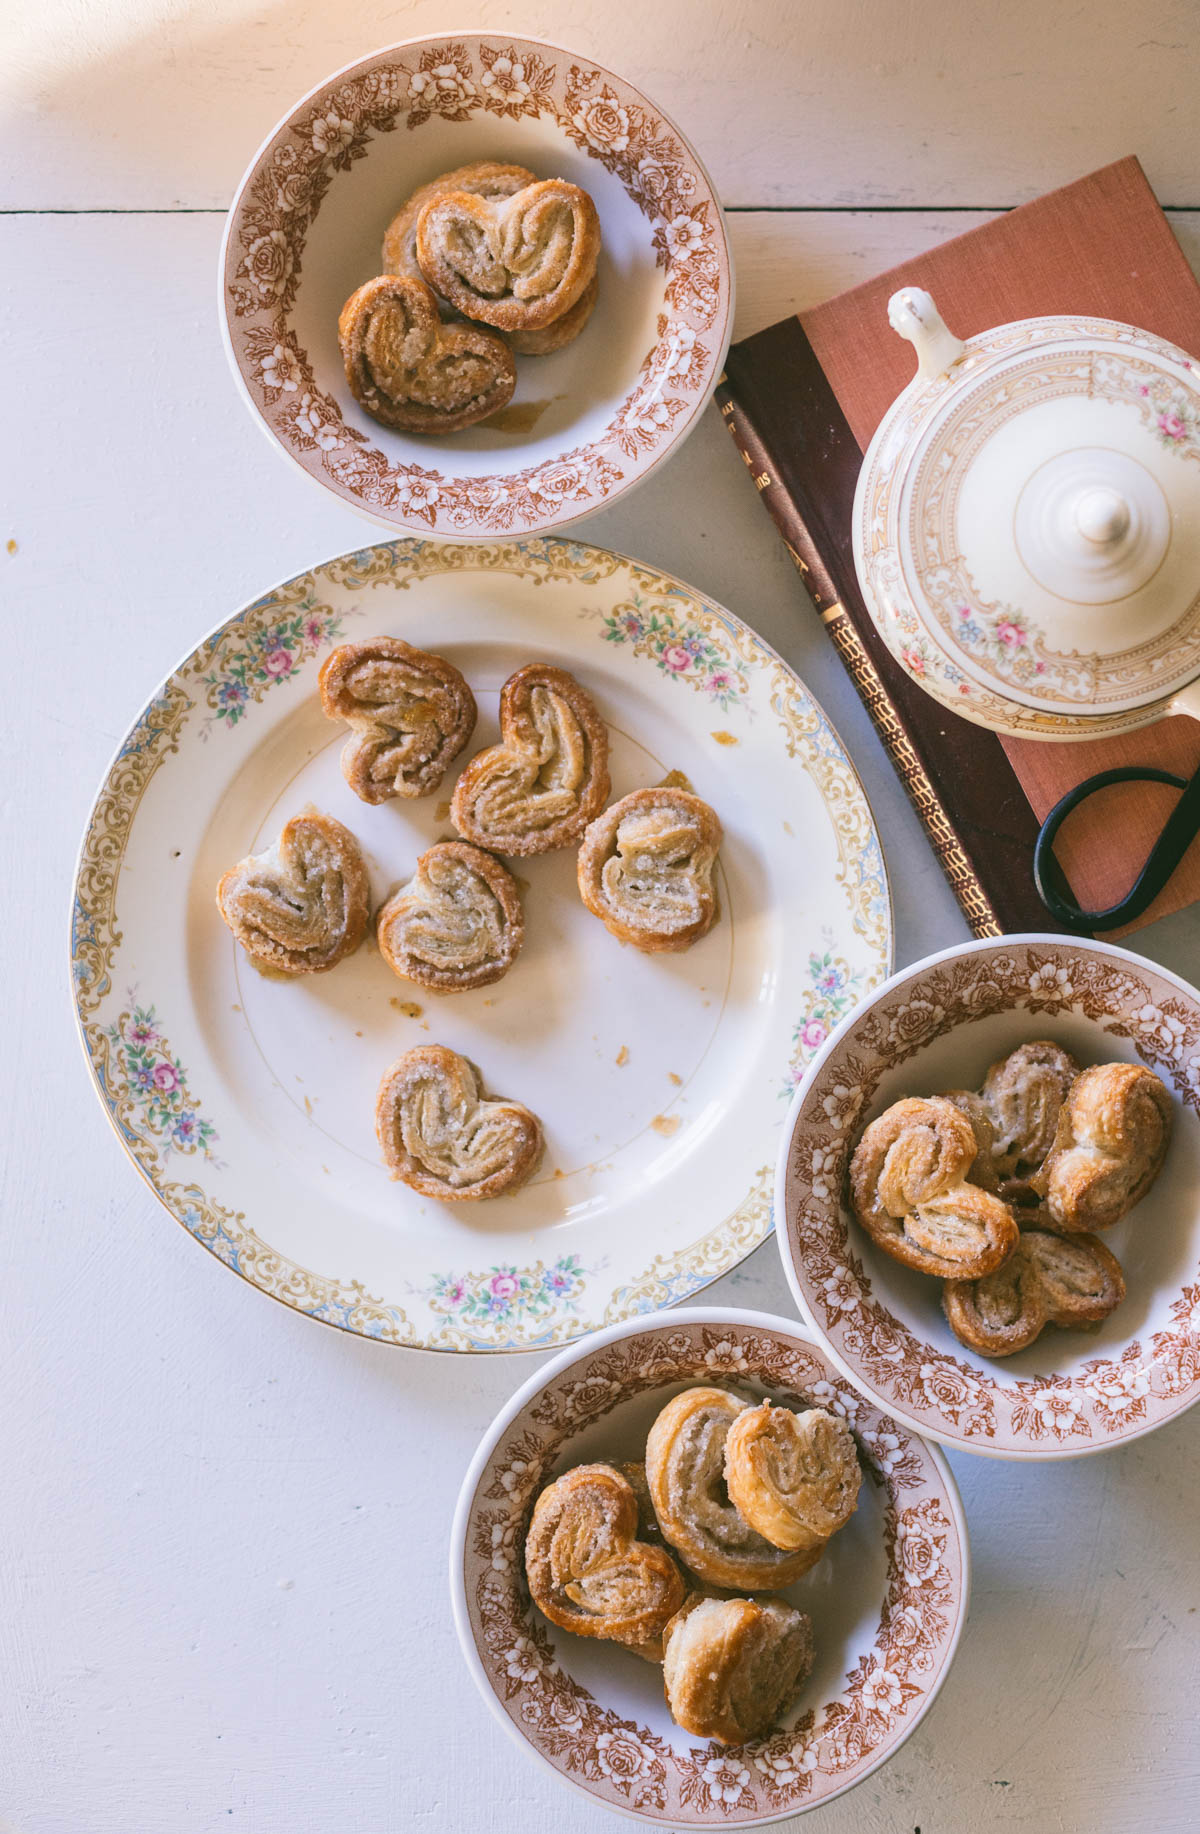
(547, 778)
(303, 905)
(587, 1569)
(456, 924)
(646, 869)
(1069, 1281)
(413, 373)
(444, 1137)
(516, 263)
(732, 1666)
(794, 1476)
(410, 713)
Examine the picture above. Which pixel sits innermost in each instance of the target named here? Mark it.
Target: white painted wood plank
(222, 1565)
(162, 102)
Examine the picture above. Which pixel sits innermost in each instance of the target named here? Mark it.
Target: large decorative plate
(247, 1102)
(587, 423)
(887, 1600)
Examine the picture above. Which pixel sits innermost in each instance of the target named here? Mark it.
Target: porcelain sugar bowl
(1027, 523)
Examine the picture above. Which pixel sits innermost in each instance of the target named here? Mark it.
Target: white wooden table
(222, 1540)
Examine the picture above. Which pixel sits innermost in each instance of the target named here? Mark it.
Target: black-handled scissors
(1179, 831)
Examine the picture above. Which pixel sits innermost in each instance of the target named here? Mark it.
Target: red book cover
(802, 401)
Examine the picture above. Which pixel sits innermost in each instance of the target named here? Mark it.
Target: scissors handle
(1179, 831)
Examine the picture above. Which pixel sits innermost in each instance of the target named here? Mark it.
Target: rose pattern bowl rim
(883, 1696)
(659, 169)
(955, 1397)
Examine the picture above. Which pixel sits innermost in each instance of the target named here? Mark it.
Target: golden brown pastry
(732, 1666)
(587, 1570)
(1108, 1149)
(444, 1137)
(411, 372)
(303, 905)
(517, 263)
(909, 1190)
(547, 778)
(458, 922)
(794, 1477)
(685, 1468)
(983, 1167)
(646, 869)
(1069, 1281)
(1023, 1094)
(482, 178)
(559, 331)
(410, 713)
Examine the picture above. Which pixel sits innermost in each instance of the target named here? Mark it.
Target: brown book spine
(943, 836)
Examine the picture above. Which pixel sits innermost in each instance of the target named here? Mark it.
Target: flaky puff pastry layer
(410, 713)
(1023, 1094)
(411, 372)
(1109, 1147)
(685, 1469)
(441, 1134)
(910, 1191)
(303, 905)
(547, 778)
(489, 179)
(1068, 1281)
(516, 263)
(732, 1666)
(587, 1569)
(793, 1476)
(457, 924)
(646, 869)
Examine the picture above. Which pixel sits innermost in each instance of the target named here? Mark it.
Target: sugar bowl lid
(1027, 528)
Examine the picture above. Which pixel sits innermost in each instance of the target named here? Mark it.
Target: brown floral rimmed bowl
(888, 1599)
(587, 423)
(938, 1025)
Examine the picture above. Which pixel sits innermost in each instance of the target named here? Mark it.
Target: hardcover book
(802, 401)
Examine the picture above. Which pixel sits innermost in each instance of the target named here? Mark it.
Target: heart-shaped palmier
(586, 1568)
(646, 869)
(411, 372)
(1109, 1146)
(441, 1134)
(410, 713)
(456, 924)
(518, 263)
(909, 1190)
(488, 178)
(731, 1666)
(303, 905)
(1023, 1094)
(795, 1477)
(685, 1469)
(1069, 1281)
(547, 778)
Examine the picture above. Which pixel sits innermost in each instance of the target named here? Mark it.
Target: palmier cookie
(732, 1666)
(485, 178)
(1069, 1281)
(685, 1468)
(441, 1135)
(303, 905)
(909, 1190)
(456, 924)
(411, 372)
(1023, 1094)
(547, 778)
(794, 1477)
(482, 178)
(586, 1568)
(516, 263)
(410, 713)
(1109, 1147)
(646, 869)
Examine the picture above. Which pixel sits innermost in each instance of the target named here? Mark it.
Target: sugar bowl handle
(913, 314)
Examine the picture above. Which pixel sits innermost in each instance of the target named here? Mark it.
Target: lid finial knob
(913, 314)
(1102, 516)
